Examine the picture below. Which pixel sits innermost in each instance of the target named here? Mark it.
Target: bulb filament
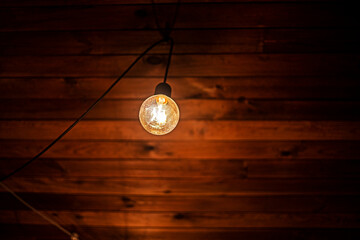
(158, 115)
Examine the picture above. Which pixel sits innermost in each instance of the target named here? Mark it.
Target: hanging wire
(169, 58)
(166, 38)
(73, 236)
(167, 29)
(84, 114)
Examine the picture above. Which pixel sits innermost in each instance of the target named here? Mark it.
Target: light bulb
(159, 114)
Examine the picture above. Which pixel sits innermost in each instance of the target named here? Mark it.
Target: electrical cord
(169, 58)
(86, 112)
(166, 38)
(73, 236)
(166, 31)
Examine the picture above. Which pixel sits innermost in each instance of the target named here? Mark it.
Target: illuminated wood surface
(268, 142)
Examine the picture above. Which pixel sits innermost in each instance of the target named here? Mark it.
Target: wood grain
(229, 65)
(192, 168)
(187, 130)
(193, 16)
(27, 3)
(137, 203)
(199, 41)
(185, 187)
(225, 220)
(287, 88)
(129, 42)
(46, 232)
(192, 109)
(268, 142)
(184, 149)
(129, 168)
(309, 40)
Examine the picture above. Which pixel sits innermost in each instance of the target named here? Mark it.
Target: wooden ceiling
(268, 142)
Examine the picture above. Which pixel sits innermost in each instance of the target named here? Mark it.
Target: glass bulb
(159, 114)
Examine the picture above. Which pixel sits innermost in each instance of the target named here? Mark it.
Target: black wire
(86, 112)
(162, 32)
(168, 28)
(165, 33)
(169, 58)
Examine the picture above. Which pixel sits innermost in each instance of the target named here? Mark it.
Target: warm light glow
(159, 114)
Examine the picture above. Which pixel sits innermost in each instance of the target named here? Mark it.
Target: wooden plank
(192, 16)
(309, 40)
(268, 204)
(187, 130)
(190, 109)
(229, 65)
(130, 42)
(32, 3)
(185, 187)
(129, 169)
(200, 41)
(130, 203)
(302, 169)
(46, 232)
(193, 168)
(184, 149)
(225, 220)
(310, 88)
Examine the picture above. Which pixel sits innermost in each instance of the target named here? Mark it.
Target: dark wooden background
(268, 142)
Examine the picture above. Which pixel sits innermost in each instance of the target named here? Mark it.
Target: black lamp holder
(163, 88)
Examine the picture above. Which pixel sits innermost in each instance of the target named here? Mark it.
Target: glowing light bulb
(159, 114)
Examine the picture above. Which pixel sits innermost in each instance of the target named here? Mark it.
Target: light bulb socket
(163, 88)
